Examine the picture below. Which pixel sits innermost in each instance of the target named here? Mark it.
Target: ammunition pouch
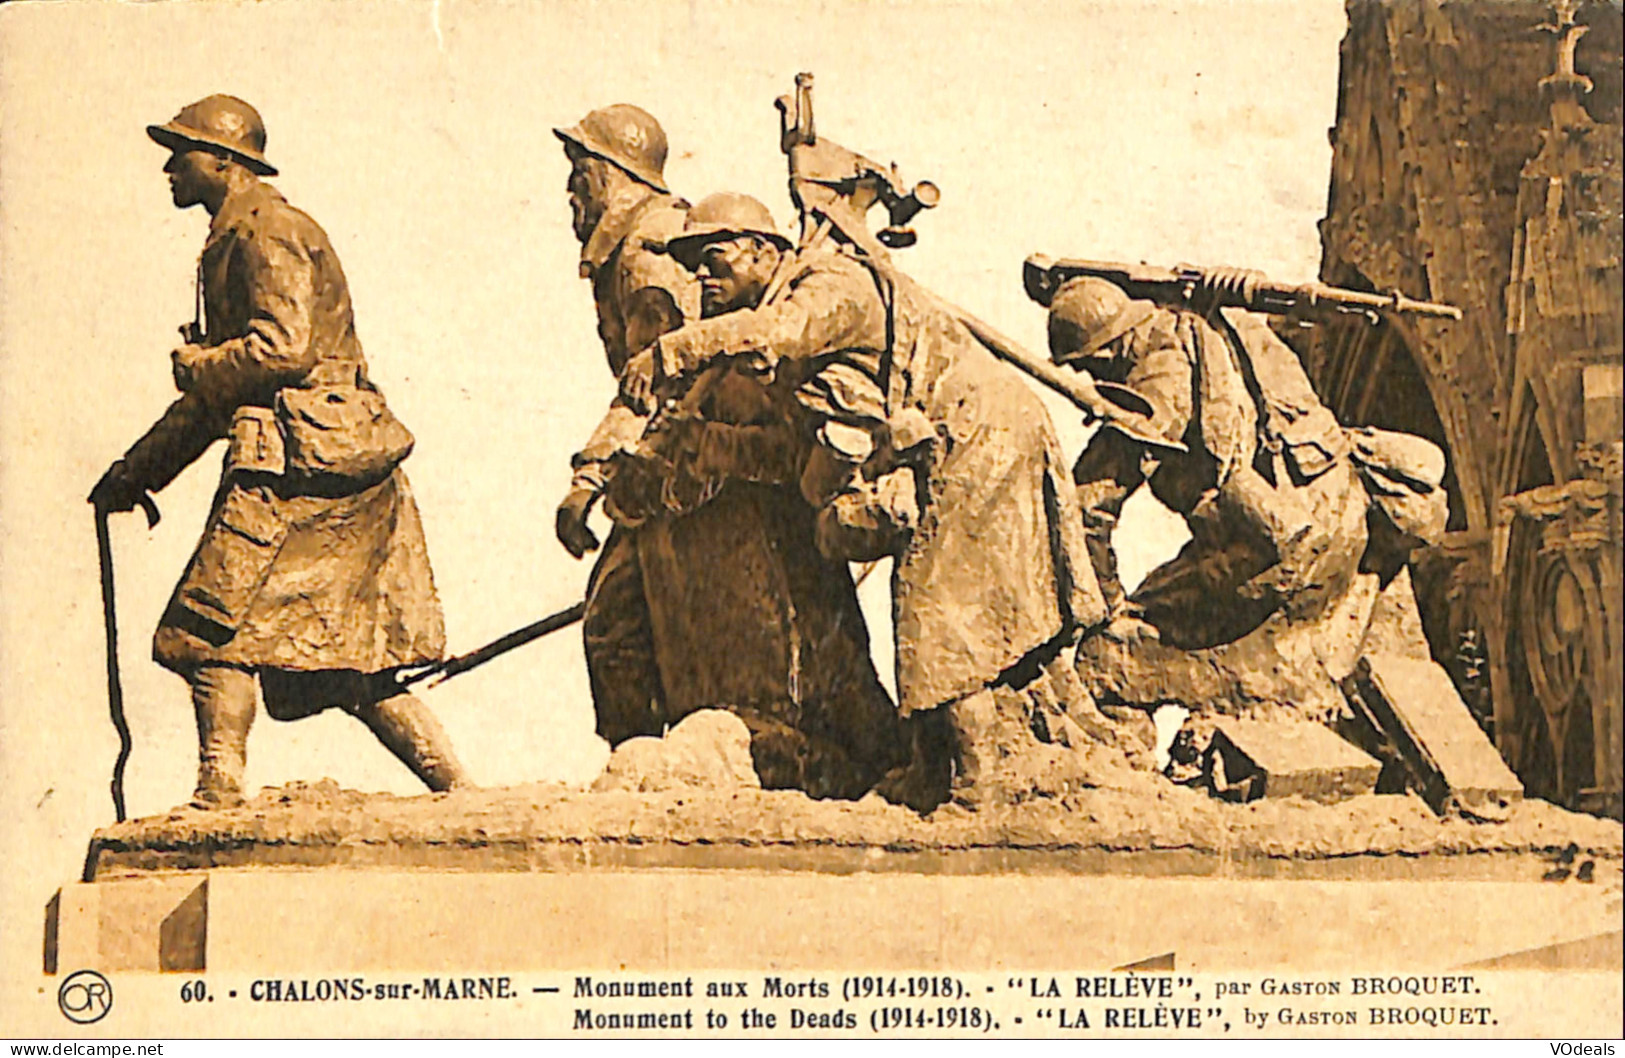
(1309, 443)
(637, 481)
(828, 473)
(341, 434)
(848, 456)
(868, 492)
(870, 520)
(255, 443)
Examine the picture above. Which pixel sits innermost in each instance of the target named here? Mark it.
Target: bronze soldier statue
(1262, 480)
(1275, 492)
(708, 600)
(312, 573)
(621, 210)
(747, 613)
(923, 449)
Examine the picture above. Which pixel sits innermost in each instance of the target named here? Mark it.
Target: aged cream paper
(419, 135)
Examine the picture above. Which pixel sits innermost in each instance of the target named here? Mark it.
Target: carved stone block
(1416, 708)
(1249, 759)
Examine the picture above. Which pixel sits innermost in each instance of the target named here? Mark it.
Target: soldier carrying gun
(1231, 436)
(924, 450)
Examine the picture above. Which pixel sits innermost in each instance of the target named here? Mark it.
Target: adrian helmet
(1087, 314)
(626, 136)
(724, 215)
(219, 123)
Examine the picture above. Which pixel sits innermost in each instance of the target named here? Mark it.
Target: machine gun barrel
(1241, 288)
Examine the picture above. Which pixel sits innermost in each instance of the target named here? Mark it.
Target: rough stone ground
(1141, 824)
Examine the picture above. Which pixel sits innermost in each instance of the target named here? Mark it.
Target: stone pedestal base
(262, 923)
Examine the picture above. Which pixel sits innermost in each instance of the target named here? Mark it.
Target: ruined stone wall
(1476, 161)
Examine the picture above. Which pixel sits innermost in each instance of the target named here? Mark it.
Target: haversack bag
(1404, 476)
(341, 432)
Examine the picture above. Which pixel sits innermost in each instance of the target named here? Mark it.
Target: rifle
(450, 667)
(441, 671)
(1209, 288)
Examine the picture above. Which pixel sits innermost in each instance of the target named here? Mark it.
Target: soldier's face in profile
(1113, 361)
(589, 187)
(729, 275)
(1064, 339)
(1110, 363)
(190, 173)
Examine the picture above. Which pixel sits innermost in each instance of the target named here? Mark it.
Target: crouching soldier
(1267, 603)
(925, 450)
(312, 573)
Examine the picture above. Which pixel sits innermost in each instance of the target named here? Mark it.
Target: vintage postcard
(1092, 520)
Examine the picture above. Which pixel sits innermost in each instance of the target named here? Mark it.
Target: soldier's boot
(983, 739)
(1078, 721)
(922, 783)
(223, 700)
(410, 731)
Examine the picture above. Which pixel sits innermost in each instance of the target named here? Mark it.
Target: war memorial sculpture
(312, 573)
(792, 411)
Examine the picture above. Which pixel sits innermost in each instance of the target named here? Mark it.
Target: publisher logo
(85, 997)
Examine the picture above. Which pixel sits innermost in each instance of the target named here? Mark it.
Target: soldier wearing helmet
(727, 549)
(1272, 501)
(622, 212)
(923, 449)
(313, 514)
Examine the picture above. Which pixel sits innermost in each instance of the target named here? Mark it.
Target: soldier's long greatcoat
(292, 572)
(726, 604)
(1235, 394)
(638, 292)
(997, 566)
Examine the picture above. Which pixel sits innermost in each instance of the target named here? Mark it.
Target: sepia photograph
(912, 519)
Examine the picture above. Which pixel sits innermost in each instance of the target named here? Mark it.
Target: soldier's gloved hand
(571, 523)
(638, 381)
(117, 490)
(184, 365)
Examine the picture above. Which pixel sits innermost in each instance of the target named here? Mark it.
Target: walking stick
(115, 690)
